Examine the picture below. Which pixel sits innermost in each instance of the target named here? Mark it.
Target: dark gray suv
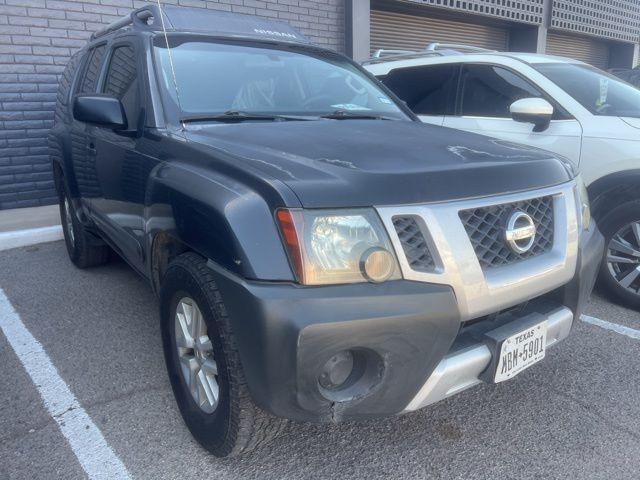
(318, 253)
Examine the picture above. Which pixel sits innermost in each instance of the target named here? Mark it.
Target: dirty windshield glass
(597, 91)
(214, 78)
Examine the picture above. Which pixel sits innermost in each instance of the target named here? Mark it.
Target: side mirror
(100, 110)
(533, 110)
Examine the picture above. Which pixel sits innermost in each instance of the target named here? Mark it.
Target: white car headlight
(584, 207)
(338, 246)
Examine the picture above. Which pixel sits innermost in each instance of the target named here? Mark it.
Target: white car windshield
(215, 77)
(597, 91)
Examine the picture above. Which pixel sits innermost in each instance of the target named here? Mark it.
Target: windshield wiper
(239, 116)
(346, 115)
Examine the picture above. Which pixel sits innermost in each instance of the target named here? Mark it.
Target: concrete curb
(32, 236)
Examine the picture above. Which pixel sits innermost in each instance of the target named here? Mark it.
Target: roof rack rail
(384, 52)
(433, 49)
(383, 55)
(455, 46)
(140, 17)
(199, 20)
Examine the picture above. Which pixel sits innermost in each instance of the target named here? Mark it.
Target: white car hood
(634, 122)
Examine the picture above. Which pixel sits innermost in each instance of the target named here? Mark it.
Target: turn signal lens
(340, 246)
(290, 236)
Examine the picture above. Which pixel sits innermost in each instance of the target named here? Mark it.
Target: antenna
(173, 70)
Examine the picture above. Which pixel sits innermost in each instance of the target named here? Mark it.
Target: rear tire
(84, 249)
(236, 424)
(620, 270)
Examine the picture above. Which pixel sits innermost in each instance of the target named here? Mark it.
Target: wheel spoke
(618, 244)
(190, 369)
(629, 278)
(617, 259)
(635, 227)
(183, 335)
(210, 367)
(205, 344)
(209, 387)
(197, 322)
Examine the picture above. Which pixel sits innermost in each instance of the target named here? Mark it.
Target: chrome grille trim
(486, 229)
(482, 291)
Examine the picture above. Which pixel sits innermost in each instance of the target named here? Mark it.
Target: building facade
(604, 33)
(38, 36)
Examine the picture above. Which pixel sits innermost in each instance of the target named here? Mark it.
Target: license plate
(520, 351)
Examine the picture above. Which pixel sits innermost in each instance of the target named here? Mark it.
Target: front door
(487, 92)
(122, 172)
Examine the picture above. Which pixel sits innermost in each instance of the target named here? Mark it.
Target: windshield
(597, 91)
(214, 78)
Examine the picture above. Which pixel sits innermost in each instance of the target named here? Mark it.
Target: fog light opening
(349, 374)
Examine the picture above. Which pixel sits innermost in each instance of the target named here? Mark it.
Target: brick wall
(38, 36)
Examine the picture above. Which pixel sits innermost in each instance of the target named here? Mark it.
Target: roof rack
(433, 49)
(199, 20)
(142, 17)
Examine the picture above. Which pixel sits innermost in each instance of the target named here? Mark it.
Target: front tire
(204, 365)
(620, 270)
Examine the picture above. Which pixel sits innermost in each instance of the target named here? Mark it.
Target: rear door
(82, 154)
(428, 90)
(485, 94)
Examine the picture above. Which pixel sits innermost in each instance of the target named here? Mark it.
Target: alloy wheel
(195, 353)
(68, 218)
(623, 257)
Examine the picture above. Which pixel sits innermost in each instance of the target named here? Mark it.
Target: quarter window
(92, 70)
(122, 80)
(489, 91)
(427, 90)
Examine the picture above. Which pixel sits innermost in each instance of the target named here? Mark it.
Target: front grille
(414, 244)
(486, 229)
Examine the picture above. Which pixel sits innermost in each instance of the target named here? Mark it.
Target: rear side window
(122, 80)
(427, 90)
(489, 91)
(92, 70)
(66, 79)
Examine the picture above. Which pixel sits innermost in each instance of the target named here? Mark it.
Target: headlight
(337, 246)
(584, 207)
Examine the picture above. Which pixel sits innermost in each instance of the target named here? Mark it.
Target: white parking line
(614, 327)
(85, 439)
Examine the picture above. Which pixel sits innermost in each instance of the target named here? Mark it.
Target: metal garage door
(400, 31)
(589, 50)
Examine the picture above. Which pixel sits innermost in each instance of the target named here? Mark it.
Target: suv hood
(353, 163)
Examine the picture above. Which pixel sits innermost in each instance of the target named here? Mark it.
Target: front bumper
(420, 350)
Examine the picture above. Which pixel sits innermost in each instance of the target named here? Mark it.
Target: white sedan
(554, 103)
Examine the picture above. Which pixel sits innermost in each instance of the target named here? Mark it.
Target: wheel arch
(164, 248)
(613, 190)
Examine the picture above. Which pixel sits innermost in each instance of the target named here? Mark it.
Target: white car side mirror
(532, 110)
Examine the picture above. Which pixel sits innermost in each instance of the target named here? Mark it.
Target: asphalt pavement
(575, 415)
